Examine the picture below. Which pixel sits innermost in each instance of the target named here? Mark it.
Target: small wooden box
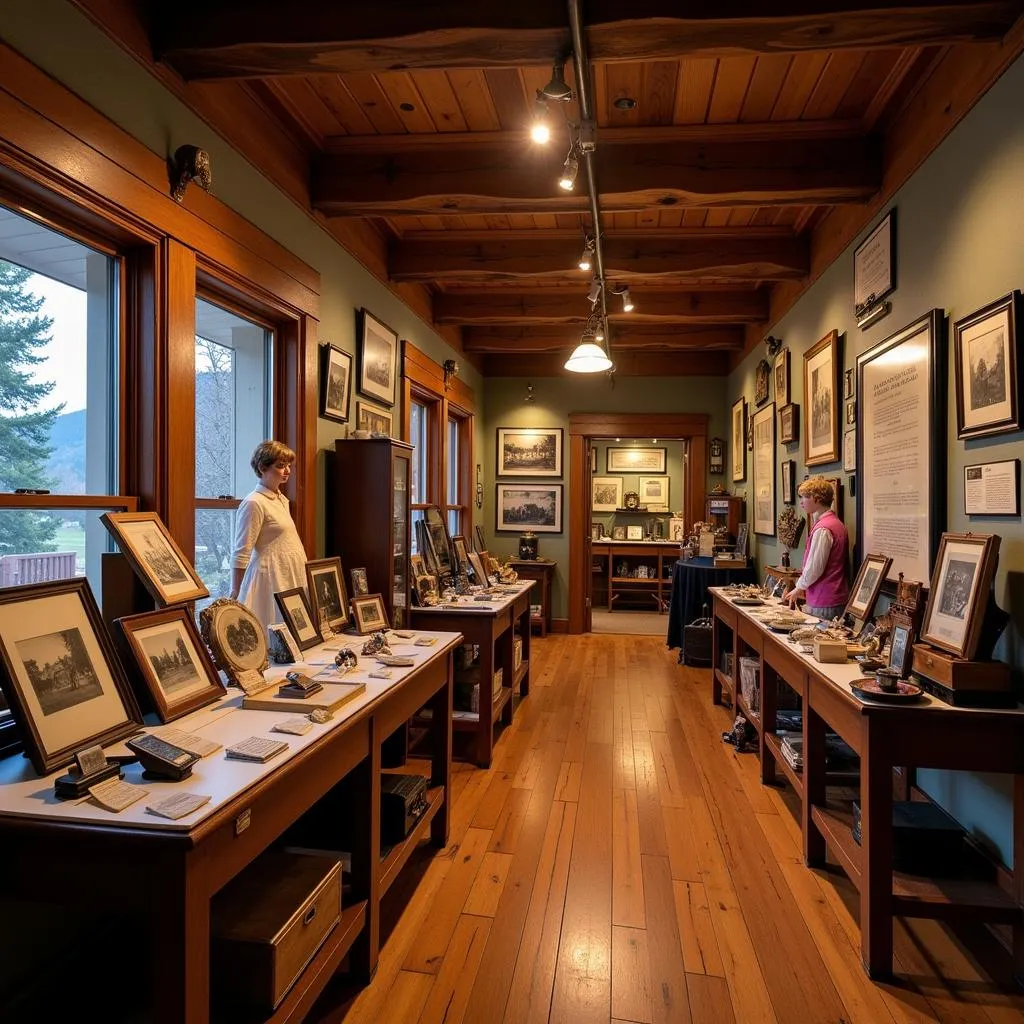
(963, 683)
(830, 652)
(267, 925)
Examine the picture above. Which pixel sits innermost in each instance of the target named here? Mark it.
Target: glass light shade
(589, 357)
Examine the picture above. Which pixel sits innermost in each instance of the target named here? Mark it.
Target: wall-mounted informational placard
(992, 488)
(874, 266)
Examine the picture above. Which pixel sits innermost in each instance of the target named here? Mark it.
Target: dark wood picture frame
(149, 672)
(739, 439)
(317, 569)
(901, 643)
(304, 637)
(369, 613)
(501, 526)
(378, 358)
(821, 397)
(335, 394)
(762, 382)
(788, 481)
(789, 424)
(862, 609)
(780, 375)
(553, 471)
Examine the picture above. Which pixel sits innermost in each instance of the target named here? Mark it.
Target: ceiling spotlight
(540, 130)
(587, 257)
(569, 171)
(595, 292)
(556, 89)
(627, 301)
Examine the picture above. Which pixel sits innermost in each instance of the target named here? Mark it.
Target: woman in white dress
(268, 556)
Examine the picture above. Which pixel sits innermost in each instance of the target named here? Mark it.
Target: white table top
(467, 603)
(25, 794)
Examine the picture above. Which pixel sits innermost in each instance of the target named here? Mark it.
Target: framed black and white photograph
(867, 586)
(618, 533)
(764, 470)
(762, 382)
(439, 540)
(716, 456)
(298, 617)
(237, 641)
(655, 492)
(360, 586)
(325, 585)
(636, 460)
(988, 386)
(780, 372)
(964, 567)
(739, 439)
(369, 613)
(605, 493)
(376, 421)
(378, 358)
(992, 488)
(536, 507)
(789, 481)
(156, 558)
(821, 397)
(172, 660)
(874, 265)
(634, 531)
(789, 424)
(529, 451)
(60, 673)
(849, 383)
(850, 451)
(851, 414)
(335, 383)
(461, 552)
(901, 648)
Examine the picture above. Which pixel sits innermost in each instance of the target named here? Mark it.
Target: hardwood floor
(619, 863)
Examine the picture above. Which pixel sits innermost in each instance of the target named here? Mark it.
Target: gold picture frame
(822, 369)
(237, 641)
(370, 614)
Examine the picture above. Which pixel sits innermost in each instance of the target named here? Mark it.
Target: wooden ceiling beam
(507, 179)
(243, 39)
(627, 364)
(701, 339)
(496, 308)
(709, 255)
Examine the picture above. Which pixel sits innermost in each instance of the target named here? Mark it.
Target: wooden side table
(543, 571)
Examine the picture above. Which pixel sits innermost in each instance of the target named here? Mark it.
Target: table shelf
(400, 853)
(795, 778)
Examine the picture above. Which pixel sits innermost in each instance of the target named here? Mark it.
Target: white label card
(115, 795)
(177, 805)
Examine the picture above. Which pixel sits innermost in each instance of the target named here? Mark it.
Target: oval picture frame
(235, 637)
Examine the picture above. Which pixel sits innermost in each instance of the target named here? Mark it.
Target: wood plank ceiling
(722, 140)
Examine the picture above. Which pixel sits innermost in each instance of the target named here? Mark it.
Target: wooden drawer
(958, 674)
(267, 925)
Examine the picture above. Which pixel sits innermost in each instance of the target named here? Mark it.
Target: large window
(234, 356)
(457, 473)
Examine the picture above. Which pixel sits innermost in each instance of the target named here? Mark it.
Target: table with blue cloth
(690, 582)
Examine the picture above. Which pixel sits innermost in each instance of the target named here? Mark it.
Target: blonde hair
(820, 489)
(269, 453)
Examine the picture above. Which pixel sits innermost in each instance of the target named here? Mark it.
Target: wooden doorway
(584, 428)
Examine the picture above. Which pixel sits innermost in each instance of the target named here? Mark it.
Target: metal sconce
(451, 370)
(479, 488)
(189, 163)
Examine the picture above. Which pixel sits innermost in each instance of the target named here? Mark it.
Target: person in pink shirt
(823, 580)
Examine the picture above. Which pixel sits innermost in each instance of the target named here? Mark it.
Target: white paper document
(177, 805)
(256, 748)
(115, 795)
(297, 726)
(194, 744)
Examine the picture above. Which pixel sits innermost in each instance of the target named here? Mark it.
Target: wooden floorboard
(620, 863)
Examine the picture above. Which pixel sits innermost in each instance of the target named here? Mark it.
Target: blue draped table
(690, 582)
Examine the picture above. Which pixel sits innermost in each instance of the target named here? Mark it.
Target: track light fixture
(587, 257)
(622, 290)
(540, 129)
(569, 171)
(557, 89)
(595, 292)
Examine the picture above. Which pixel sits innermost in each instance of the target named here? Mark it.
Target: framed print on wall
(789, 423)
(378, 358)
(536, 507)
(821, 396)
(789, 482)
(764, 470)
(369, 417)
(635, 460)
(780, 371)
(605, 493)
(739, 439)
(654, 492)
(988, 386)
(850, 451)
(529, 451)
(335, 383)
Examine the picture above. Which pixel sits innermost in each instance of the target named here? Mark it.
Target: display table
(656, 556)
(691, 580)
(543, 571)
(165, 872)
(492, 627)
(925, 734)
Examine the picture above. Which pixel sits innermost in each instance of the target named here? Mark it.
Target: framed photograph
(529, 451)
(479, 567)
(866, 587)
(789, 481)
(821, 396)
(325, 585)
(360, 587)
(172, 661)
(417, 566)
(764, 470)
(901, 497)
(605, 493)
(716, 456)
(378, 358)
(618, 533)
(780, 372)
(964, 567)
(654, 492)
(439, 540)
(992, 488)
(478, 530)
(236, 639)
(461, 552)
(156, 558)
(596, 531)
(335, 383)
(739, 438)
(369, 613)
(789, 423)
(849, 383)
(837, 500)
(593, 460)
(536, 507)
(762, 382)
(988, 386)
(60, 674)
(851, 414)
(634, 532)
(850, 451)
(636, 460)
(874, 267)
(901, 646)
(296, 613)
(377, 421)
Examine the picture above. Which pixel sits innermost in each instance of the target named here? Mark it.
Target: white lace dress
(268, 547)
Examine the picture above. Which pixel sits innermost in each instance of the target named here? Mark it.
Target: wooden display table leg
(876, 938)
(365, 824)
(441, 754)
(814, 784)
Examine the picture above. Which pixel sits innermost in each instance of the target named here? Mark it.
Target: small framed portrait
(378, 358)
(237, 641)
(605, 493)
(762, 382)
(739, 437)
(988, 384)
(964, 567)
(156, 558)
(417, 566)
(536, 507)
(821, 397)
(850, 451)
(596, 531)
(867, 585)
(850, 383)
(789, 423)
(789, 481)
(325, 585)
(901, 644)
(335, 383)
(593, 460)
(851, 414)
(369, 613)
(297, 615)
(618, 533)
(654, 492)
(376, 421)
(780, 371)
(360, 586)
(529, 451)
(634, 532)
(716, 456)
(60, 673)
(173, 662)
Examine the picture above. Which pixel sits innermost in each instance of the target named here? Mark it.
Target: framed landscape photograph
(369, 417)
(636, 460)
(60, 673)
(172, 661)
(988, 386)
(821, 396)
(529, 451)
(654, 492)
(325, 585)
(536, 507)
(297, 615)
(237, 641)
(369, 613)
(739, 439)
(606, 493)
(335, 383)
(764, 470)
(378, 358)
(964, 567)
(789, 423)
(156, 558)
(866, 587)
(780, 371)
(850, 451)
